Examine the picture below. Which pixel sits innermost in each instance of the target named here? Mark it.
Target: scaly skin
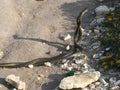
(72, 52)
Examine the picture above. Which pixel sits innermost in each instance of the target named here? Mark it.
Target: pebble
(41, 75)
(95, 45)
(48, 64)
(31, 66)
(96, 31)
(95, 56)
(117, 83)
(91, 86)
(69, 68)
(67, 37)
(112, 80)
(97, 83)
(115, 88)
(68, 47)
(99, 23)
(1, 54)
(108, 48)
(103, 81)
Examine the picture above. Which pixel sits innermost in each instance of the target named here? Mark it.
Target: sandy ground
(30, 29)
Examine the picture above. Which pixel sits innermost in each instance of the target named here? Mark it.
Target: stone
(91, 86)
(95, 45)
(99, 22)
(1, 54)
(68, 47)
(80, 59)
(101, 9)
(97, 83)
(79, 81)
(15, 81)
(103, 81)
(115, 88)
(30, 66)
(117, 83)
(95, 56)
(48, 64)
(65, 36)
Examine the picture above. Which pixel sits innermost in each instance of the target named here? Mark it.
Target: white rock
(117, 83)
(115, 88)
(67, 37)
(95, 56)
(68, 47)
(30, 66)
(103, 81)
(112, 80)
(99, 20)
(96, 31)
(15, 81)
(101, 9)
(97, 83)
(48, 64)
(69, 68)
(1, 54)
(108, 48)
(79, 81)
(91, 86)
(95, 45)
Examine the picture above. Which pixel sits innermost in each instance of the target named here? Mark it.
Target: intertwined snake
(75, 49)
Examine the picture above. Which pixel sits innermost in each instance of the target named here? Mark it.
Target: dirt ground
(30, 29)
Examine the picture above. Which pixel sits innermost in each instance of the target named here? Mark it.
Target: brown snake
(75, 49)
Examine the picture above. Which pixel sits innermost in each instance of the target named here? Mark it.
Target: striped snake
(74, 50)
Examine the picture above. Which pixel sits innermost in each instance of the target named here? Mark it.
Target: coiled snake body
(38, 62)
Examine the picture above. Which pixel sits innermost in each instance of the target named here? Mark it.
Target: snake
(75, 49)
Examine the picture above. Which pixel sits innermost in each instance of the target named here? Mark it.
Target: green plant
(111, 38)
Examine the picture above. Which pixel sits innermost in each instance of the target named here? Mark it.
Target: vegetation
(111, 38)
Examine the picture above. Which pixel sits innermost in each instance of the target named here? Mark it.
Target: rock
(30, 66)
(65, 36)
(101, 9)
(91, 86)
(79, 81)
(112, 80)
(99, 21)
(97, 83)
(115, 88)
(117, 83)
(68, 47)
(80, 59)
(48, 64)
(95, 56)
(1, 54)
(69, 68)
(103, 81)
(95, 45)
(15, 81)
(108, 48)
(96, 31)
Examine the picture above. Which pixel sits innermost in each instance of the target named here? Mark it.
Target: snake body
(38, 62)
